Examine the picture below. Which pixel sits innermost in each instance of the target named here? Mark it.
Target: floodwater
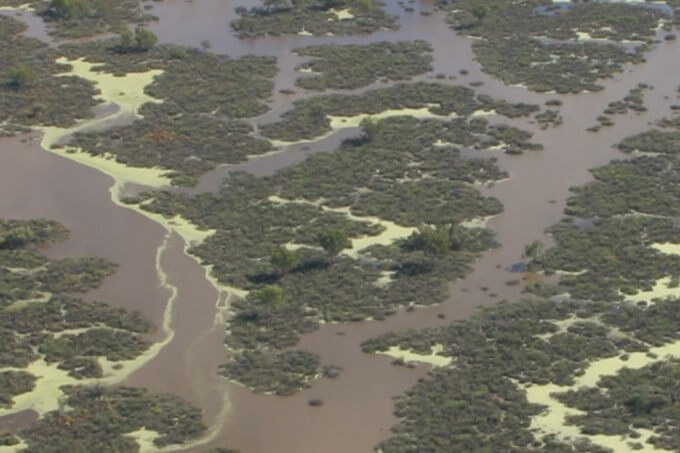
(358, 405)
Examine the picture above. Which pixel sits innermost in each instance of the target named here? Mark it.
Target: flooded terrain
(158, 278)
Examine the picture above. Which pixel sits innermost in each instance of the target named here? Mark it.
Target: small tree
(68, 8)
(145, 39)
(283, 260)
(206, 45)
(480, 12)
(370, 128)
(271, 297)
(334, 242)
(127, 39)
(21, 76)
(534, 250)
(434, 243)
(365, 5)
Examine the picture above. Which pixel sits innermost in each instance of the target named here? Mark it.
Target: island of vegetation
(312, 118)
(83, 18)
(196, 122)
(354, 66)
(30, 94)
(581, 364)
(49, 338)
(566, 47)
(312, 17)
(347, 235)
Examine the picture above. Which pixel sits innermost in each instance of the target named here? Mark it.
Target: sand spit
(344, 122)
(342, 14)
(128, 93)
(434, 358)
(22, 7)
(391, 231)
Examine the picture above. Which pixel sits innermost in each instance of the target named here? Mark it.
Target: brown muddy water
(357, 410)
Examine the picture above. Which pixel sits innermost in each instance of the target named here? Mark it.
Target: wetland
(272, 227)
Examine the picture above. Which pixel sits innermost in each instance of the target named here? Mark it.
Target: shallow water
(357, 410)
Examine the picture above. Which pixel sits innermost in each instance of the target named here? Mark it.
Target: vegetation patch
(120, 412)
(38, 321)
(354, 66)
(311, 118)
(31, 90)
(197, 126)
(84, 18)
(630, 400)
(578, 332)
(13, 383)
(567, 50)
(43, 327)
(280, 373)
(342, 236)
(313, 17)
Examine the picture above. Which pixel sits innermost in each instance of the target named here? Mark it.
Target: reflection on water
(357, 409)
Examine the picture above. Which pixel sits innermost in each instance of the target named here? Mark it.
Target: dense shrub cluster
(309, 118)
(644, 398)
(354, 66)
(84, 18)
(317, 17)
(99, 418)
(526, 43)
(30, 94)
(35, 315)
(396, 171)
(196, 127)
(280, 373)
(38, 321)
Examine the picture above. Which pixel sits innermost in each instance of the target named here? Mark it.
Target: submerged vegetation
(567, 50)
(31, 90)
(43, 330)
(311, 118)
(517, 367)
(347, 250)
(354, 66)
(84, 18)
(314, 17)
(480, 403)
(196, 124)
(120, 413)
(40, 322)
(633, 399)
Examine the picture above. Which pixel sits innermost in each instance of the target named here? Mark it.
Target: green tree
(145, 39)
(480, 12)
(434, 242)
(370, 128)
(68, 8)
(334, 242)
(21, 76)
(534, 250)
(127, 39)
(206, 45)
(283, 260)
(271, 297)
(365, 5)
